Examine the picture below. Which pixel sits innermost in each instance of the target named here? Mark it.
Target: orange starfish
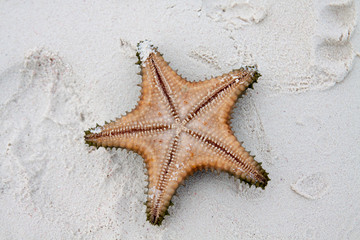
(179, 127)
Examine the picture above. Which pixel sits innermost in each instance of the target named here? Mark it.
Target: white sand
(68, 65)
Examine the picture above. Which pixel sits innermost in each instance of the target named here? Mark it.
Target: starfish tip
(144, 49)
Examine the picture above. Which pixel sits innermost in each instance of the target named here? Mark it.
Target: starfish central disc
(179, 127)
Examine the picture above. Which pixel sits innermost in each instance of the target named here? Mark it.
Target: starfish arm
(163, 182)
(151, 116)
(221, 94)
(133, 135)
(158, 74)
(225, 153)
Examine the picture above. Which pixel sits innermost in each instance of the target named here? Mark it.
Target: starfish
(179, 127)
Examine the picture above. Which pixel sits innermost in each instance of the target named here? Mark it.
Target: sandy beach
(66, 66)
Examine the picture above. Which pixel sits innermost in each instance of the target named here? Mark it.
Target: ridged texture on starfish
(179, 127)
